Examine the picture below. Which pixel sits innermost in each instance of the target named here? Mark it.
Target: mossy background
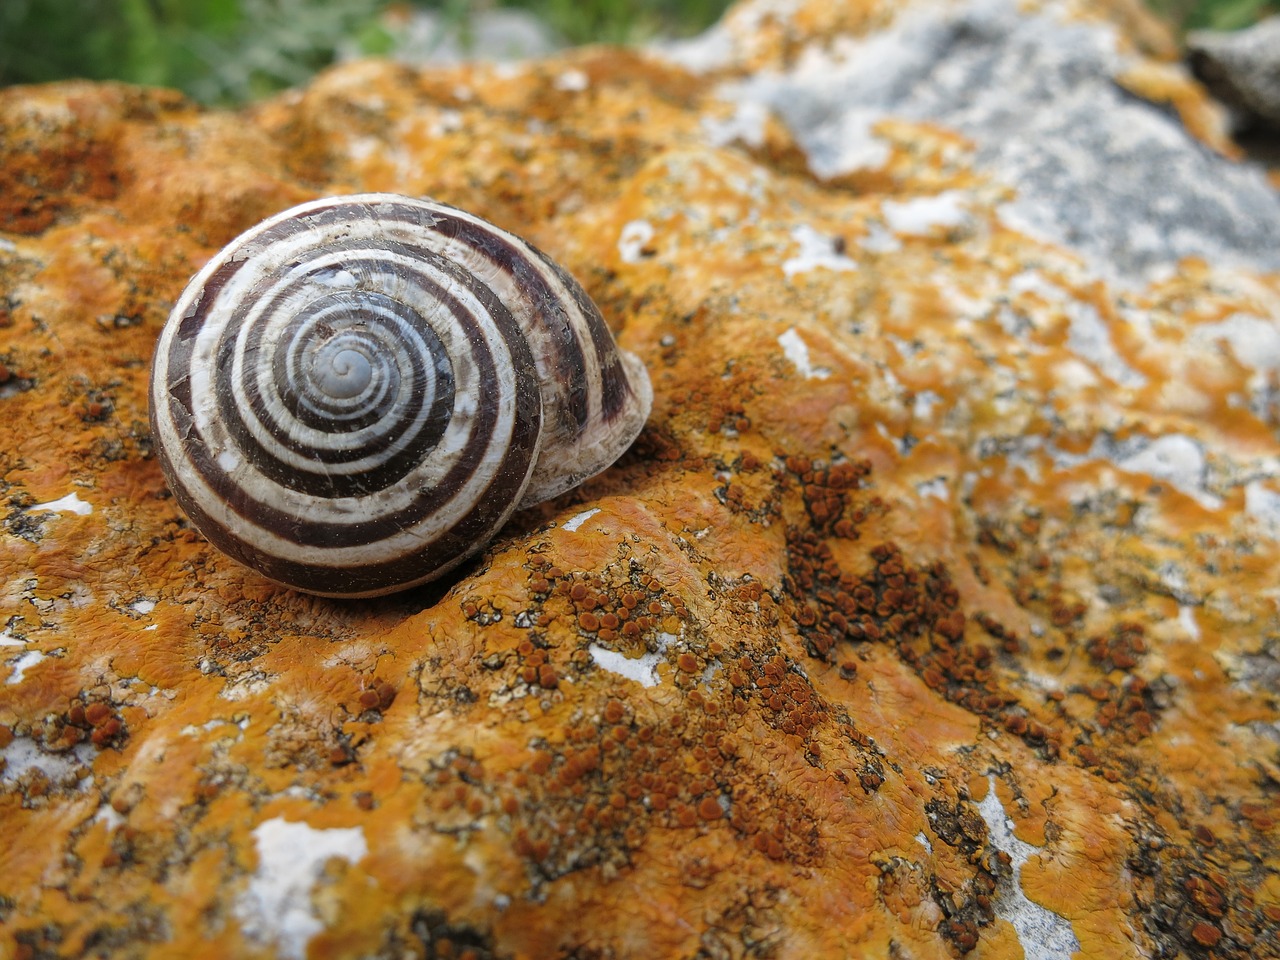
(231, 51)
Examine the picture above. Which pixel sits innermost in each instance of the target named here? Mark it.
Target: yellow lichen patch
(1167, 84)
(935, 605)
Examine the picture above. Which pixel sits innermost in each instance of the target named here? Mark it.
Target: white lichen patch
(706, 51)
(922, 216)
(925, 401)
(899, 443)
(71, 503)
(1089, 337)
(1255, 341)
(1034, 282)
(634, 239)
(23, 755)
(276, 907)
(816, 250)
(1044, 935)
(106, 815)
(233, 728)
(1187, 620)
(1074, 375)
(938, 488)
(879, 239)
(1262, 504)
(1174, 459)
(797, 351)
(576, 521)
(709, 673)
(22, 663)
(643, 669)
(1179, 461)
(745, 125)
(249, 684)
(572, 81)
(446, 122)
(1174, 580)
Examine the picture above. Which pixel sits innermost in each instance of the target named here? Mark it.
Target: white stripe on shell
(348, 509)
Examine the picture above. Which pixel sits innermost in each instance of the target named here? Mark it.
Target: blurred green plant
(623, 21)
(218, 51)
(232, 51)
(1212, 14)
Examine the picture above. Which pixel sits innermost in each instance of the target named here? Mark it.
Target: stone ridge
(933, 613)
(1048, 103)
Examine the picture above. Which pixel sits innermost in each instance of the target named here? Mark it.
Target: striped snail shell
(354, 395)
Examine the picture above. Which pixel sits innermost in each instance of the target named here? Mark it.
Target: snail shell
(354, 395)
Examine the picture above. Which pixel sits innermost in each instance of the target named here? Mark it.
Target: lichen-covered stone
(934, 612)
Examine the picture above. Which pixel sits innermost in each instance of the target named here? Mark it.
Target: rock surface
(934, 612)
(1242, 68)
(1045, 105)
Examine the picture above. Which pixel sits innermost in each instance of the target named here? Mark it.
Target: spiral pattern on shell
(354, 396)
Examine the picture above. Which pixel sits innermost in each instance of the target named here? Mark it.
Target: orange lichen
(761, 704)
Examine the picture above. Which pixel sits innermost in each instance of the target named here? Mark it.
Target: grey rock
(425, 37)
(1242, 69)
(1095, 168)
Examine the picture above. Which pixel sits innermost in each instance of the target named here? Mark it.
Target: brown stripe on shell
(370, 529)
(469, 535)
(553, 328)
(278, 469)
(615, 386)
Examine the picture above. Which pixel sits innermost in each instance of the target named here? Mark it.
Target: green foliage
(623, 21)
(1213, 14)
(231, 51)
(215, 50)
